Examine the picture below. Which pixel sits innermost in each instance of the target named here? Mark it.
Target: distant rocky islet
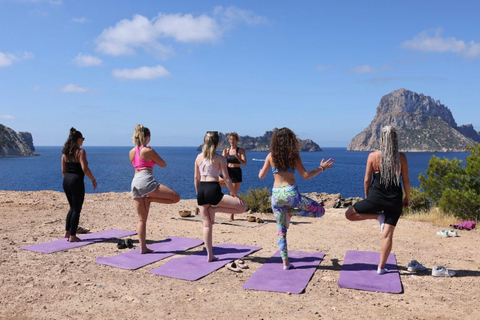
(423, 125)
(13, 144)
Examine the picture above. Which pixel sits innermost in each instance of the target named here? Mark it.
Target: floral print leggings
(287, 200)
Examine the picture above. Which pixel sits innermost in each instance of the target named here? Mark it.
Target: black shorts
(392, 213)
(209, 192)
(235, 174)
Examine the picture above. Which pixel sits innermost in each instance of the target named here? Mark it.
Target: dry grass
(434, 216)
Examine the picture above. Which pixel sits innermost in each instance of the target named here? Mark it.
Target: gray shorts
(143, 183)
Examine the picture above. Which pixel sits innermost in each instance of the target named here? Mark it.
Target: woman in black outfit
(74, 169)
(385, 175)
(235, 157)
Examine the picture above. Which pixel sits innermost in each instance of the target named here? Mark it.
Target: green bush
(419, 201)
(453, 187)
(257, 200)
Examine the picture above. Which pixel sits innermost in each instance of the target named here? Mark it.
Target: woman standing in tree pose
(74, 169)
(386, 171)
(210, 198)
(235, 157)
(145, 189)
(286, 200)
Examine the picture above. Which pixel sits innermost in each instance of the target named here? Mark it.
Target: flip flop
(251, 219)
(259, 220)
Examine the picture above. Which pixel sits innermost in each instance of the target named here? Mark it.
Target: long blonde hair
(210, 144)
(390, 164)
(140, 135)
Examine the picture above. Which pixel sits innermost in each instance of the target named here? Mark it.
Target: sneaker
(441, 271)
(382, 271)
(443, 233)
(415, 266)
(452, 233)
(381, 220)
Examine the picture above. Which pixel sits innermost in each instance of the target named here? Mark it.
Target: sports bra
(231, 158)
(210, 171)
(138, 163)
(289, 170)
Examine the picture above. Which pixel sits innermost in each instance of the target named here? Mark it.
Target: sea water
(114, 172)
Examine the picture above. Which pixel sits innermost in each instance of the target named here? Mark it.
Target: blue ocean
(114, 172)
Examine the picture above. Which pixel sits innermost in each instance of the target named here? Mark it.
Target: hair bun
(73, 130)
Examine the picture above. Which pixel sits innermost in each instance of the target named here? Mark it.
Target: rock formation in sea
(13, 144)
(422, 123)
(261, 143)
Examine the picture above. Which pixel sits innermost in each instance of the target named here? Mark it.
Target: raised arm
(368, 173)
(266, 166)
(85, 168)
(152, 155)
(324, 165)
(405, 179)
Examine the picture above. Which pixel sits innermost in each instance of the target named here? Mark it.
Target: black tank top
(231, 158)
(74, 167)
(381, 194)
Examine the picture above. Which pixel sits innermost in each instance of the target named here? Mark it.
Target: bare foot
(67, 234)
(146, 250)
(75, 239)
(213, 259)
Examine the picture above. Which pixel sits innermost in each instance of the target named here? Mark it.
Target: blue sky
(184, 67)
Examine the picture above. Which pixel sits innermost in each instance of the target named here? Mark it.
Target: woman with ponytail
(74, 169)
(145, 189)
(210, 198)
(386, 172)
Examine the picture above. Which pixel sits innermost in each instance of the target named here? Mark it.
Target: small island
(262, 143)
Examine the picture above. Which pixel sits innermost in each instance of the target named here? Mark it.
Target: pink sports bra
(138, 163)
(207, 170)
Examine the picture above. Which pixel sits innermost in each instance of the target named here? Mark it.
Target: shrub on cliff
(257, 200)
(453, 187)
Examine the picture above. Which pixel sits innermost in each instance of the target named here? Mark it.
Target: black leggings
(74, 188)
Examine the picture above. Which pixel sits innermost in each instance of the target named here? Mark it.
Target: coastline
(70, 284)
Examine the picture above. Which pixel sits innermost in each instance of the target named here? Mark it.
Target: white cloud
(73, 88)
(142, 73)
(365, 68)
(322, 68)
(432, 41)
(7, 59)
(86, 60)
(140, 32)
(232, 15)
(7, 117)
(79, 20)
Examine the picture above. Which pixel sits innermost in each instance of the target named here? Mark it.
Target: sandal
(81, 230)
(241, 264)
(259, 220)
(232, 266)
(129, 243)
(251, 219)
(121, 244)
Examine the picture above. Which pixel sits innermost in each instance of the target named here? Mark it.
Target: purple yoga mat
(132, 259)
(271, 276)
(196, 266)
(63, 244)
(359, 271)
